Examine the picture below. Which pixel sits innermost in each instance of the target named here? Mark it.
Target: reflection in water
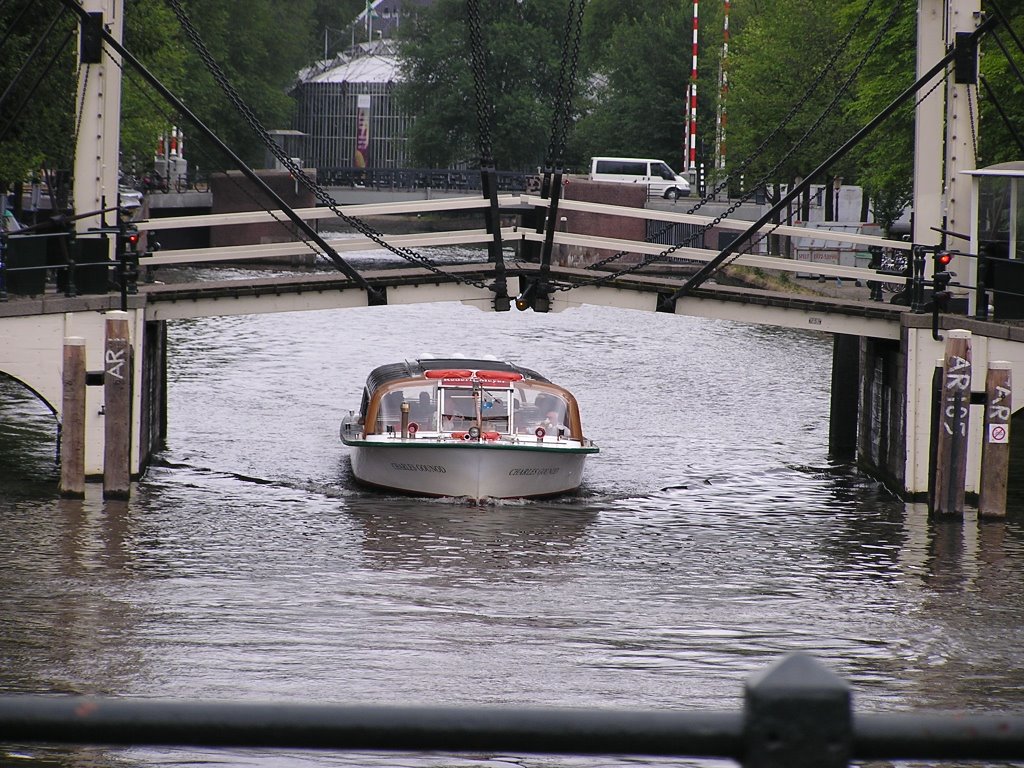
(495, 541)
(708, 539)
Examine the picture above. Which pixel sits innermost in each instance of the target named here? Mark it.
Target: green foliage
(523, 54)
(773, 65)
(37, 118)
(638, 106)
(259, 44)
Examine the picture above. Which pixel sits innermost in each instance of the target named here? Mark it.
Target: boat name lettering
(520, 471)
(419, 467)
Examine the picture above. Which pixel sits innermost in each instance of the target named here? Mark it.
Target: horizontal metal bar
(86, 720)
(140, 722)
(279, 250)
(657, 214)
(309, 214)
(704, 255)
(938, 736)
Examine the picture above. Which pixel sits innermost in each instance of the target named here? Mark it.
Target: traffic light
(131, 240)
(941, 278)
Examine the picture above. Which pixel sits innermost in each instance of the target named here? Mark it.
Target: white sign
(998, 433)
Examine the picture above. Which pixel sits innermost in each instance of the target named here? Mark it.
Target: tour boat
(479, 429)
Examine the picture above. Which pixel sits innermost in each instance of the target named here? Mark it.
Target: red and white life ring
(499, 375)
(446, 373)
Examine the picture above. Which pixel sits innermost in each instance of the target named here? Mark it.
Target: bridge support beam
(897, 423)
(35, 354)
(845, 402)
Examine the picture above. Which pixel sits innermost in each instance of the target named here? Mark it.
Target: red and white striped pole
(692, 159)
(722, 105)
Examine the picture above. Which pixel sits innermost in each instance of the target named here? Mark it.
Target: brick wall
(601, 225)
(233, 192)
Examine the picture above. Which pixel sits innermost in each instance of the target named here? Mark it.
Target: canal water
(712, 536)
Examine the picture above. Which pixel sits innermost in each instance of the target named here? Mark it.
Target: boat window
(538, 408)
(459, 409)
(494, 410)
(422, 408)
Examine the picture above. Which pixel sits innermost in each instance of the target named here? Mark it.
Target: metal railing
(83, 265)
(796, 714)
(420, 178)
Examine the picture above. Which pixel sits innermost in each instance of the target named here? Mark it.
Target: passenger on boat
(424, 412)
(552, 424)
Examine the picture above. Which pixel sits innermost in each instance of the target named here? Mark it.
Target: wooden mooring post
(72, 426)
(117, 407)
(995, 447)
(953, 426)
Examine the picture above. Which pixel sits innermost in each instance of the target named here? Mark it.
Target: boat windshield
(422, 408)
(517, 408)
(539, 407)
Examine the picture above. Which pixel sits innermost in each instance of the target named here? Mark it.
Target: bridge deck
(577, 286)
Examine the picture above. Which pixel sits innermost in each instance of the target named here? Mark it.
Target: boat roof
(411, 369)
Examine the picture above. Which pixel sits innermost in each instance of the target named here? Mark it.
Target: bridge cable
(646, 261)
(298, 173)
(243, 189)
(488, 172)
(741, 167)
(29, 59)
(846, 85)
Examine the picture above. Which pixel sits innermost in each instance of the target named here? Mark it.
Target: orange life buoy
(442, 373)
(499, 375)
(490, 435)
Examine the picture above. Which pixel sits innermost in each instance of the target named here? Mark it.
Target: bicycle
(183, 183)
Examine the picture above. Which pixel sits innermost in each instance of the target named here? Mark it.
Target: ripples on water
(711, 536)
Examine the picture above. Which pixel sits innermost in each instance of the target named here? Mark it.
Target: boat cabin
(451, 397)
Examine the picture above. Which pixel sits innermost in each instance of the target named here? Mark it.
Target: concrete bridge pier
(896, 422)
(33, 353)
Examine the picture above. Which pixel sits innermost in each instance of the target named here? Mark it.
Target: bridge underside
(468, 283)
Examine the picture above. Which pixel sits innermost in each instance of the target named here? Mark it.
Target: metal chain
(562, 113)
(81, 107)
(744, 164)
(970, 111)
(127, 75)
(478, 62)
(298, 173)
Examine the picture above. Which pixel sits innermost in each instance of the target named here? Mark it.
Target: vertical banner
(362, 158)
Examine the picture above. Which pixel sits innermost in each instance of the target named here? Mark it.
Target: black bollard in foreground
(797, 714)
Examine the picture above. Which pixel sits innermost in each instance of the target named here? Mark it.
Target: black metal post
(797, 716)
(981, 293)
(3, 266)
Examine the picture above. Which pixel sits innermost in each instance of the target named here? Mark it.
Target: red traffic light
(943, 258)
(133, 238)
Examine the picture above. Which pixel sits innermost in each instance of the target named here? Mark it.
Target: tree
(778, 61)
(637, 106)
(37, 125)
(523, 44)
(886, 159)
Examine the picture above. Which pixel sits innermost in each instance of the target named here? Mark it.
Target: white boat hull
(477, 470)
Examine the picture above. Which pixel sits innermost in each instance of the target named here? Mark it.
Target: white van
(661, 181)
